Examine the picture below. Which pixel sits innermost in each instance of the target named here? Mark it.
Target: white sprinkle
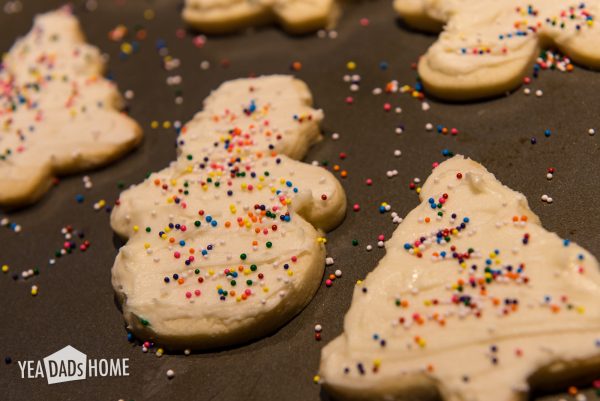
(335, 136)
(544, 198)
(338, 273)
(187, 351)
(354, 88)
(397, 152)
(318, 328)
(170, 374)
(592, 132)
(527, 91)
(425, 106)
(398, 110)
(539, 93)
(329, 261)
(205, 65)
(377, 91)
(369, 248)
(428, 126)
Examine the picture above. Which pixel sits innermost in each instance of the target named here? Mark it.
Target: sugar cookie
(488, 46)
(473, 298)
(225, 244)
(295, 16)
(57, 114)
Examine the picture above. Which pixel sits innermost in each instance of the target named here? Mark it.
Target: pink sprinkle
(197, 292)
(369, 181)
(356, 207)
(177, 255)
(188, 294)
(349, 100)
(328, 283)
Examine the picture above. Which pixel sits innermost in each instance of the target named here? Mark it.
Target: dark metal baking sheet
(75, 303)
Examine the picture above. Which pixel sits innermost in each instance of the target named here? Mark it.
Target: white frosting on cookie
(296, 16)
(472, 298)
(57, 114)
(225, 245)
(487, 47)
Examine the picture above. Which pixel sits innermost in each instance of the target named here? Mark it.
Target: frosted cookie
(57, 114)
(226, 245)
(488, 46)
(473, 298)
(295, 16)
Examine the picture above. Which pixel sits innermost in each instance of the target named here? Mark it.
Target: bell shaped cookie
(226, 244)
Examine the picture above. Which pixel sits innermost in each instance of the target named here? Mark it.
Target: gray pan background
(75, 303)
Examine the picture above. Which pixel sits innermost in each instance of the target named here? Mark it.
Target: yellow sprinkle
(418, 190)
(290, 273)
(316, 379)
(358, 282)
(136, 228)
(211, 272)
(166, 124)
(173, 182)
(351, 65)
(146, 245)
(126, 48)
(266, 289)
(149, 14)
(154, 124)
(4, 268)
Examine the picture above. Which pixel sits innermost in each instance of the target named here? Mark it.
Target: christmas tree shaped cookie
(472, 299)
(226, 244)
(58, 115)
